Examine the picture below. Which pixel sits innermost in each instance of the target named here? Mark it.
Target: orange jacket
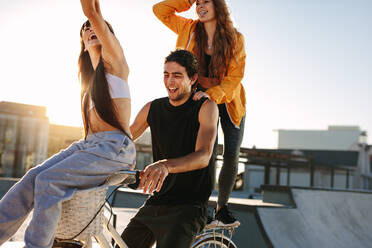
(230, 90)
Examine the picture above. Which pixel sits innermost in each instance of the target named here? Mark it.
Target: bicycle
(216, 237)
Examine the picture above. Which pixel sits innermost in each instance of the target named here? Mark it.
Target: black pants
(169, 226)
(233, 138)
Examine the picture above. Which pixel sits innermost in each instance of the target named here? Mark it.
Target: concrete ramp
(320, 218)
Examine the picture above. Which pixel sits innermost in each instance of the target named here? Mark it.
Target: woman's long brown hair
(224, 41)
(94, 86)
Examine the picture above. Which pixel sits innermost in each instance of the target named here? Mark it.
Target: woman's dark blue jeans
(233, 137)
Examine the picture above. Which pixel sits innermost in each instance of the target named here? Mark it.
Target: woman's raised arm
(112, 53)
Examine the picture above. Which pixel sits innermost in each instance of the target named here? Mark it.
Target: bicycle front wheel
(216, 240)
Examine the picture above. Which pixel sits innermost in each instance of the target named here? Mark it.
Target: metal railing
(367, 181)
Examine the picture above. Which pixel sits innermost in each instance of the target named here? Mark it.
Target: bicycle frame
(213, 237)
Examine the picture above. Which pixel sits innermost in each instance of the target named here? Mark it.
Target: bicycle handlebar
(128, 178)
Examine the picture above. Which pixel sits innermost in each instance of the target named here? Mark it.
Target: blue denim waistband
(115, 134)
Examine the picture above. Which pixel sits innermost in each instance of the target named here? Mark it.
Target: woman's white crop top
(118, 88)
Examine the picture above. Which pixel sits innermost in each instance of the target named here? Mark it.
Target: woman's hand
(90, 7)
(199, 95)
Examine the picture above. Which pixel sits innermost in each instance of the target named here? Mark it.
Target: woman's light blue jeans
(84, 164)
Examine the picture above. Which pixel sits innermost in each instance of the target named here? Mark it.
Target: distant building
(60, 137)
(24, 133)
(336, 138)
(305, 168)
(338, 157)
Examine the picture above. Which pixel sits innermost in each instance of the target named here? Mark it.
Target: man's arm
(155, 174)
(140, 123)
(208, 117)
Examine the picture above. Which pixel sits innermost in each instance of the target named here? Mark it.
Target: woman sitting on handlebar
(107, 147)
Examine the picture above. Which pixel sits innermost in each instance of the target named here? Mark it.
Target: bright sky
(308, 62)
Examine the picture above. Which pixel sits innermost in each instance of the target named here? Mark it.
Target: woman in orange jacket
(219, 48)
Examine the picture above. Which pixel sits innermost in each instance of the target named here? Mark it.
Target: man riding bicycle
(183, 132)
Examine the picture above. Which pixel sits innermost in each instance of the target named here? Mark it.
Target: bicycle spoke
(214, 235)
(230, 231)
(217, 237)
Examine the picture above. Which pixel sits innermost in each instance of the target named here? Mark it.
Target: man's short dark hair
(185, 59)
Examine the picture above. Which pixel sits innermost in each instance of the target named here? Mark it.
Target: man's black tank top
(174, 131)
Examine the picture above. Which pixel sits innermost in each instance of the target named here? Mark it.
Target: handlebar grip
(138, 179)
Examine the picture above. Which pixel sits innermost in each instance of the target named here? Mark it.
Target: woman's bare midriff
(98, 125)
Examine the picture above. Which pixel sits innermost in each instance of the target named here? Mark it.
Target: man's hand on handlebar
(153, 177)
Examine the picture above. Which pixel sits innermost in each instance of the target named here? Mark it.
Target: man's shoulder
(207, 103)
(160, 100)
(158, 104)
(208, 107)
(204, 104)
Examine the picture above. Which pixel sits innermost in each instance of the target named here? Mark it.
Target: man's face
(177, 83)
